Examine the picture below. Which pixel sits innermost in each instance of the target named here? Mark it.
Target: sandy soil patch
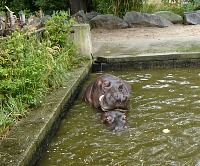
(175, 31)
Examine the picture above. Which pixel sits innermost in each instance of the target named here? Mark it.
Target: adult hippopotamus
(108, 92)
(115, 119)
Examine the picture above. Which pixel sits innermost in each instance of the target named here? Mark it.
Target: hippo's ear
(100, 81)
(121, 86)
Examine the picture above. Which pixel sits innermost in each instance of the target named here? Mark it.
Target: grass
(175, 8)
(31, 66)
(120, 7)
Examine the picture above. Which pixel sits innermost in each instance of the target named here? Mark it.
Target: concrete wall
(82, 39)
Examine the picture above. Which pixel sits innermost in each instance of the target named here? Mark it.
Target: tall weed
(31, 67)
(117, 7)
(178, 9)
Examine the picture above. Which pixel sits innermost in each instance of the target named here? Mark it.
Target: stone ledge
(147, 61)
(149, 57)
(27, 141)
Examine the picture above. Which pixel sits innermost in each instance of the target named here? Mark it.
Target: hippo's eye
(106, 83)
(124, 117)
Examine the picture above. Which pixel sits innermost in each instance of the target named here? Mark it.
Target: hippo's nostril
(116, 95)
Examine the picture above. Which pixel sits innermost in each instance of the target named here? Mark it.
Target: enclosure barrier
(82, 39)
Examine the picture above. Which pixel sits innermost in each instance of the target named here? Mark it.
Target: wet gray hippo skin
(109, 92)
(115, 120)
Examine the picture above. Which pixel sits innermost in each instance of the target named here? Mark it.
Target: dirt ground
(175, 31)
(140, 40)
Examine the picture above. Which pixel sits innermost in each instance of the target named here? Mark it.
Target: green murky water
(161, 99)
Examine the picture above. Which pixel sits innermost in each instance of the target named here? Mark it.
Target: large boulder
(108, 21)
(144, 19)
(35, 24)
(192, 18)
(170, 16)
(91, 15)
(80, 17)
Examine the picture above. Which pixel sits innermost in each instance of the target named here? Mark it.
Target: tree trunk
(77, 5)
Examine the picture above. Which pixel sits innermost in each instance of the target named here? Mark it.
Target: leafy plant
(117, 7)
(149, 8)
(31, 67)
(166, 6)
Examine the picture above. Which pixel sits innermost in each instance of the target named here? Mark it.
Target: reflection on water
(161, 99)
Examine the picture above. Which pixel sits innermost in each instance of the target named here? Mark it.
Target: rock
(170, 16)
(80, 17)
(39, 22)
(192, 18)
(136, 18)
(108, 21)
(91, 15)
(36, 24)
(2, 24)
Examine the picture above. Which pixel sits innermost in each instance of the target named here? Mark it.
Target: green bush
(179, 9)
(116, 7)
(149, 8)
(31, 67)
(120, 7)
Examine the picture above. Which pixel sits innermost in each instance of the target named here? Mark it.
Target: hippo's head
(114, 97)
(115, 119)
(109, 92)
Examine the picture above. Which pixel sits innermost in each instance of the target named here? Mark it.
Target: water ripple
(161, 100)
(155, 86)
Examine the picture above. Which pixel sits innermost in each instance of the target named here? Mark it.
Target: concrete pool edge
(28, 139)
(150, 56)
(148, 61)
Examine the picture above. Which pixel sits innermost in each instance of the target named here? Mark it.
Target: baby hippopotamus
(115, 120)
